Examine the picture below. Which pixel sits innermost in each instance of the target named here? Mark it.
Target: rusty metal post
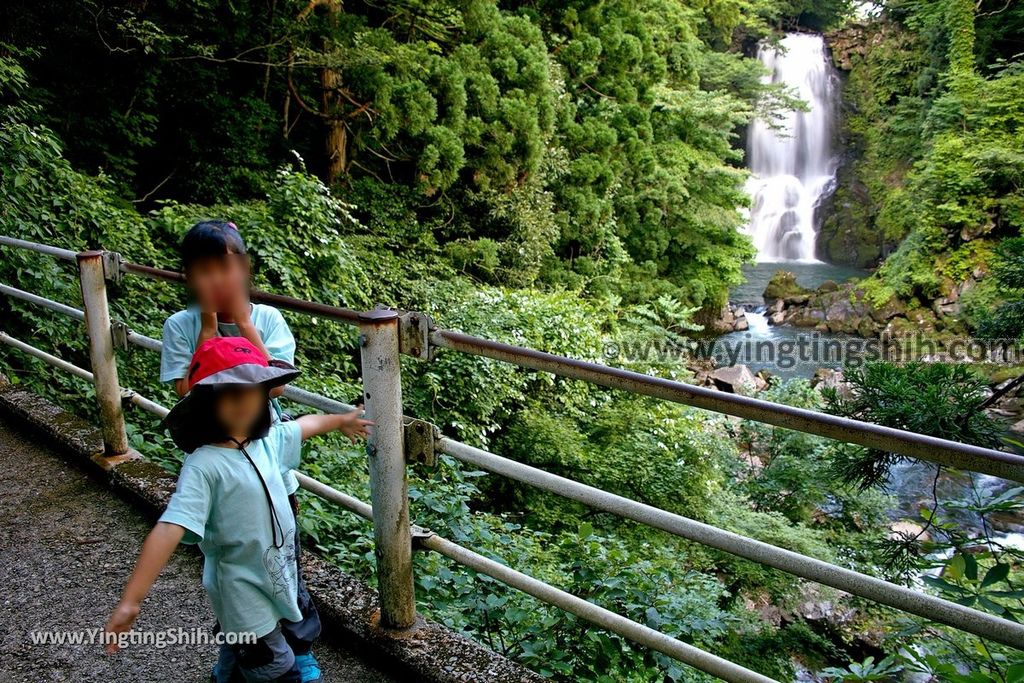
(101, 351)
(382, 393)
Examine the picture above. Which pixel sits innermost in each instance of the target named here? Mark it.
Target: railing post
(101, 351)
(382, 394)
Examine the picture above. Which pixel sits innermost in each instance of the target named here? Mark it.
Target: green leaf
(955, 567)
(996, 574)
(1015, 673)
(970, 567)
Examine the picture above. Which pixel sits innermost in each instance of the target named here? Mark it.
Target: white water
(793, 165)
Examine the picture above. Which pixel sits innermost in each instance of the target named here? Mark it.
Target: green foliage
(868, 670)
(1005, 321)
(547, 174)
(551, 143)
(937, 140)
(938, 399)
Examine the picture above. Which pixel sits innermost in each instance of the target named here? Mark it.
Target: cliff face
(848, 231)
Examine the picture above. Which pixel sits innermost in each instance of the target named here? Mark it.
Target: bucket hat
(220, 362)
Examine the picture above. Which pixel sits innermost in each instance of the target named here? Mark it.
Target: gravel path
(67, 544)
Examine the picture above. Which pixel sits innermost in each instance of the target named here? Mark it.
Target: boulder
(890, 309)
(905, 530)
(736, 379)
(867, 327)
(827, 378)
(807, 317)
(783, 286)
(827, 287)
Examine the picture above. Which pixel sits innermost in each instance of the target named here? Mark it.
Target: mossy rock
(783, 285)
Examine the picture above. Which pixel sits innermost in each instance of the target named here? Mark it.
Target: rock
(1017, 427)
(1008, 522)
(777, 318)
(840, 310)
(945, 306)
(922, 319)
(867, 327)
(906, 530)
(760, 384)
(827, 287)
(783, 285)
(731, 319)
(828, 378)
(849, 43)
(890, 309)
(975, 230)
(807, 317)
(736, 379)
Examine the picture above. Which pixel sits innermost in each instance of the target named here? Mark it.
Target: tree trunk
(336, 139)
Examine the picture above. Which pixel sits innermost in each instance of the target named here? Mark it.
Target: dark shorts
(272, 657)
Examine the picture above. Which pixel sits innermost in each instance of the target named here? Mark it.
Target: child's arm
(207, 316)
(351, 424)
(156, 551)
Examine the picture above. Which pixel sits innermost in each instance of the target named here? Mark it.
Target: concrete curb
(429, 653)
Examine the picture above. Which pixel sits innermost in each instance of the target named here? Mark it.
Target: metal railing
(385, 335)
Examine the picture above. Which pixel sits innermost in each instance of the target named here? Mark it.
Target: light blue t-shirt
(221, 505)
(181, 332)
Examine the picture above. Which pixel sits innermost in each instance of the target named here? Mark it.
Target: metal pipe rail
(345, 315)
(43, 302)
(751, 549)
(56, 252)
(951, 453)
(912, 601)
(584, 609)
(48, 358)
(544, 592)
(383, 335)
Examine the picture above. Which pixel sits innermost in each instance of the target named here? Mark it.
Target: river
(753, 342)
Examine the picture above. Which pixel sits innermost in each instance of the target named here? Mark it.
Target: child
(231, 499)
(215, 261)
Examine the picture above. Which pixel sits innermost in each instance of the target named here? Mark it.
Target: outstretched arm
(351, 424)
(156, 551)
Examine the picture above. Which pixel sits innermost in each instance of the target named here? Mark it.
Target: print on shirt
(280, 565)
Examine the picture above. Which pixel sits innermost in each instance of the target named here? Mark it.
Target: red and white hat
(221, 362)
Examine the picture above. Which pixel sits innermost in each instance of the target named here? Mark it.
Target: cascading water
(792, 163)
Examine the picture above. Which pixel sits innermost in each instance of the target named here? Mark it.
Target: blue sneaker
(308, 668)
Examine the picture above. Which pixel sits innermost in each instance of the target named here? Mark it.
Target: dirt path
(67, 544)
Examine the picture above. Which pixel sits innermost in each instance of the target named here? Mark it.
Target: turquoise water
(777, 349)
(807, 274)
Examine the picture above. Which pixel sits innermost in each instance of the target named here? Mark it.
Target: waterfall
(792, 165)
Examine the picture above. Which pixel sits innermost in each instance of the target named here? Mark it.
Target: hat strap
(275, 522)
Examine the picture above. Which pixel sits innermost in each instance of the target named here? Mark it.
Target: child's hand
(121, 620)
(354, 426)
(240, 308)
(204, 290)
(351, 424)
